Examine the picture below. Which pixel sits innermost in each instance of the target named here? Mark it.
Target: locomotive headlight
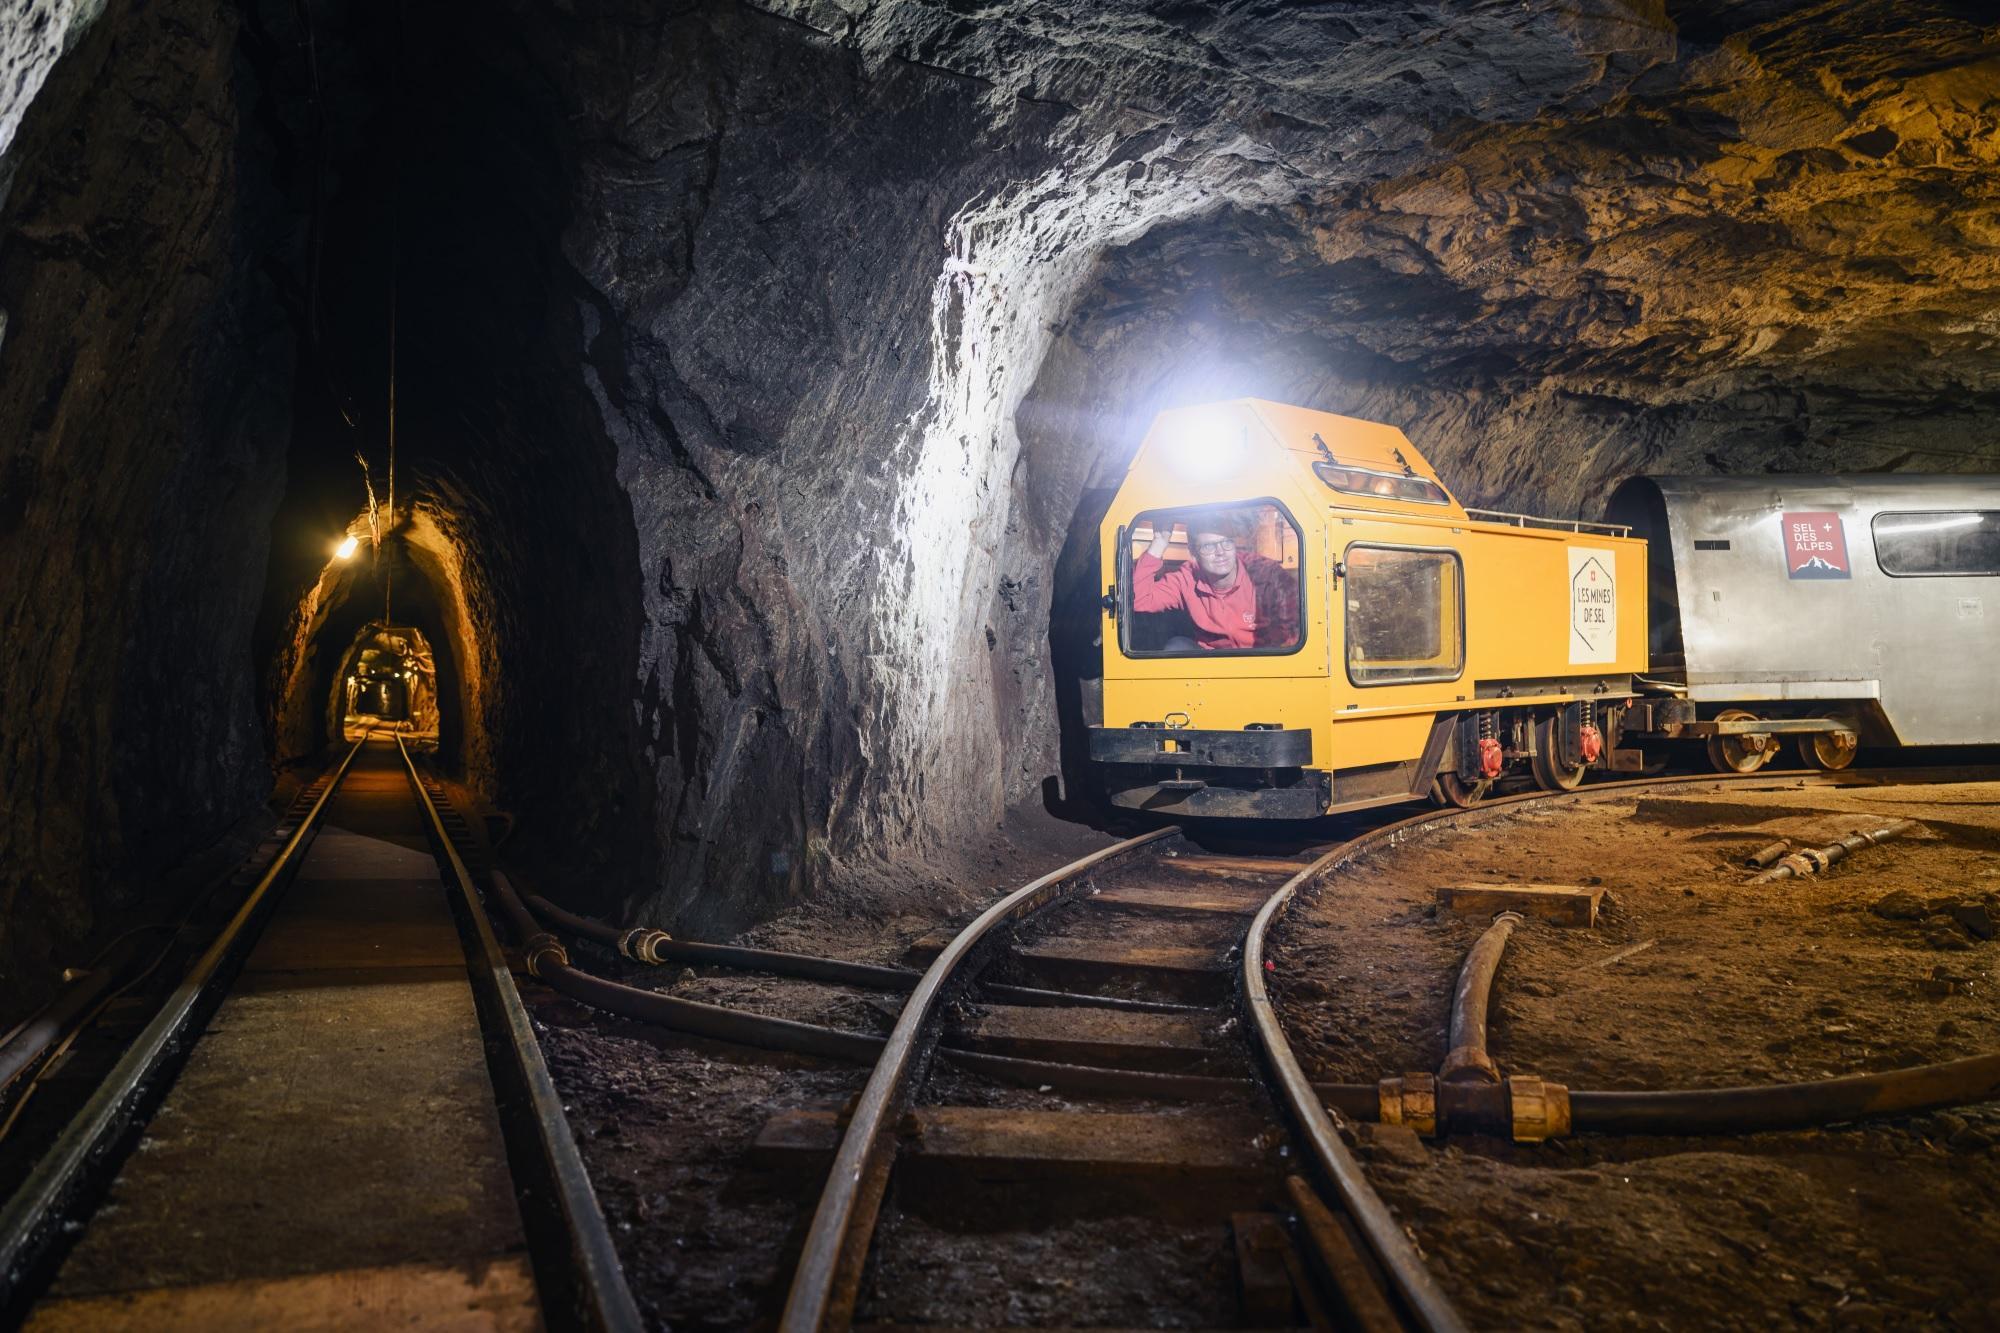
(345, 551)
(1204, 446)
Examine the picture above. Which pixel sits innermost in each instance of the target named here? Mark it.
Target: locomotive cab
(1301, 618)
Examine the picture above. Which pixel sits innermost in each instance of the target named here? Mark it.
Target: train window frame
(1323, 467)
(1170, 512)
(1875, 540)
(1347, 620)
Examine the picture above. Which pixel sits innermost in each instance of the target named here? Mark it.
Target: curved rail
(1422, 1302)
(590, 1281)
(842, 1219)
(32, 1220)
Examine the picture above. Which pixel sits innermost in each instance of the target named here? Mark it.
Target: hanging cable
(395, 239)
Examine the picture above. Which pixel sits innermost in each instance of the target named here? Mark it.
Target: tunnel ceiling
(765, 364)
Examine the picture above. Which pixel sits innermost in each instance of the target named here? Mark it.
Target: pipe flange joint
(642, 944)
(544, 950)
(1410, 1100)
(1539, 1108)
(1468, 1064)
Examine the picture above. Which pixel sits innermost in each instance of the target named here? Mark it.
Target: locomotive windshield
(1226, 579)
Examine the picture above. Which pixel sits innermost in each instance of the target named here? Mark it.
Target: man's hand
(1161, 537)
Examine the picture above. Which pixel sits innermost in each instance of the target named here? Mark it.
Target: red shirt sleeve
(1150, 592)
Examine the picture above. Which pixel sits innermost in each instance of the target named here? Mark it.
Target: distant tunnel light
(346, 550)
(1204, 446)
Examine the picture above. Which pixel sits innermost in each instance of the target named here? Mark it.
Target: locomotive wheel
(1453, 790)
(1824, 751)
(1732, 754)
(1550, 775)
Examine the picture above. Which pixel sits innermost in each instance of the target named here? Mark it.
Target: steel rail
(860, 1164)
(589, 1279)
(1420, 1299)
(90, 1145)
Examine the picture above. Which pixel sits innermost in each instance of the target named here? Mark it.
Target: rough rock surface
(766, 365)
(143, 377)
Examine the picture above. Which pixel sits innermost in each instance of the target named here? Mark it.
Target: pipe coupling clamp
(544, 950)
(1539, 1107)
(642, 944)
(1410, 1100)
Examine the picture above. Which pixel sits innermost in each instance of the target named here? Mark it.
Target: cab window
(1965, 542)
(1226, 579)
(1405, 615)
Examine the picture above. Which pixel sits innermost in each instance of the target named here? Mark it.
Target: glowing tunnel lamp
(345, 551)
(1204, 446)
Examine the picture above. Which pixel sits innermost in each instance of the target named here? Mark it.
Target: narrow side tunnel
(437, 187)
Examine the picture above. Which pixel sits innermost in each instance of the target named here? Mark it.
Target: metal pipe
(646, 944)
(1766, 854)
(1465, 1058)
(548, 961)
(1816, 859)
(1788, 1105)
(69, 1010)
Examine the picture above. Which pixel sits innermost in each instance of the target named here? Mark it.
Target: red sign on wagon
(1815, 546)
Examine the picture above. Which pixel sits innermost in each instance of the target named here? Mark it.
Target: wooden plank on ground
(1000, 1143)
(1195, 899)
(1233, 865)
(1158, 1042)
(1562, 904)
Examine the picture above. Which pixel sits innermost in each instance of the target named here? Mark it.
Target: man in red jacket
(1218, 589)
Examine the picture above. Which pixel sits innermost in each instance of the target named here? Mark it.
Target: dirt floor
(1692, 978)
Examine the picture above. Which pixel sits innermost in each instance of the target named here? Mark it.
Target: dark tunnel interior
(762, 376)
(998, 655)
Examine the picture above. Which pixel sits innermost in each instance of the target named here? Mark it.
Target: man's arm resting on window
(1150, 592)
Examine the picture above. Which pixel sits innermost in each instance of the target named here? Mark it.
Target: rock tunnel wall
(144, 370)
(769, 365)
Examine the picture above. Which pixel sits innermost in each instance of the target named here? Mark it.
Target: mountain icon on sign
(1816, 568)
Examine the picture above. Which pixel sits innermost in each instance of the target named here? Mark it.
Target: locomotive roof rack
(1562, 524)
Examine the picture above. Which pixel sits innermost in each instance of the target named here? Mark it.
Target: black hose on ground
(54, 1021)
(1815, 859)
(1788, 1105)
(1466, 1059)
(547, 961)
(645, 944)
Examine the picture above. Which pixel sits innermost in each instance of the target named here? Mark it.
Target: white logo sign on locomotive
(1593, 606)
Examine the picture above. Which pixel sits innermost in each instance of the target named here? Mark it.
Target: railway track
(1099, 1044)
(349, 926)
(1341, 1256)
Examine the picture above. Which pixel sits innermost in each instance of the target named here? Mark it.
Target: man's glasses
(1221, 546)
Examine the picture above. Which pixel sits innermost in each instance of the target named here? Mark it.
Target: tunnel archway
(387, 679)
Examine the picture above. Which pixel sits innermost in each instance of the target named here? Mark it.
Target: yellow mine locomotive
(1301, 619)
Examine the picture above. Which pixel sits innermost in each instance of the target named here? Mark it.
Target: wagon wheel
(1732, 754)
(1827, 750)
(1550, 774)
(1453, 790)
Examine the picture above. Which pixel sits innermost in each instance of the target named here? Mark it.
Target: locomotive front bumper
(1260, 773)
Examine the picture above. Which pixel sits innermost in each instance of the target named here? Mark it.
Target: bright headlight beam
(346, 550)
(1204, 448)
